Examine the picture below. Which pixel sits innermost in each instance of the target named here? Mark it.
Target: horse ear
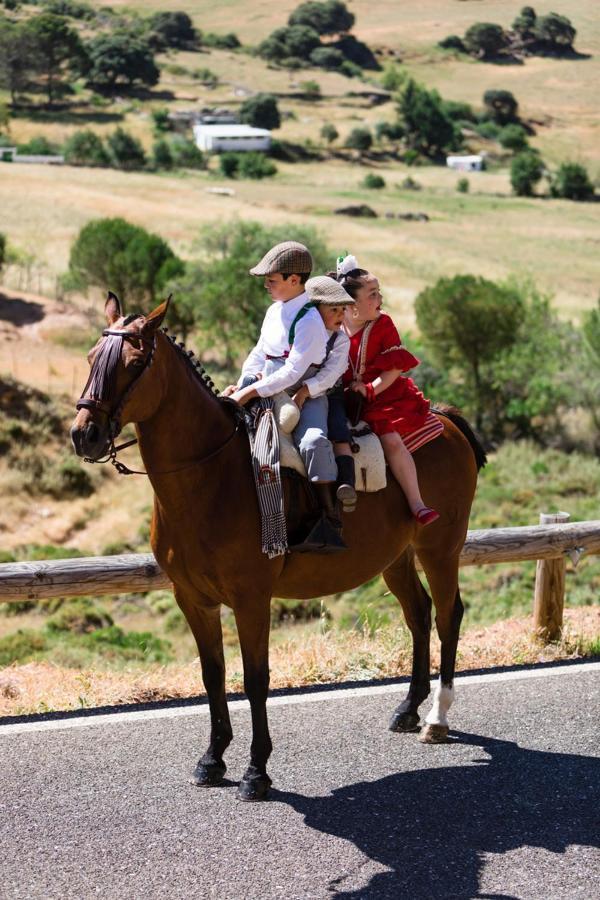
(112, 308)
(155, 318)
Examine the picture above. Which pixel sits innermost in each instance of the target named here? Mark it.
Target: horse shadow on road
(432, 827)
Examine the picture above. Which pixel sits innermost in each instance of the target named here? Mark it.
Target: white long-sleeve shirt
(333, 369)
(309, 347)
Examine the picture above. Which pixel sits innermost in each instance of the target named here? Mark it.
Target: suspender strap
(299, 315)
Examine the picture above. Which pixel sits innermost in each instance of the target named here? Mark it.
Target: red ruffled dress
(375, 349)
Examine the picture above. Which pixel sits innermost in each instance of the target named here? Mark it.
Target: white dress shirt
(308, 349)
(333, 368)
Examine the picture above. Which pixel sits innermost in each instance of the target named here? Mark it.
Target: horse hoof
(254, 789)
(402, 723)
(208, 775)
(434, 734)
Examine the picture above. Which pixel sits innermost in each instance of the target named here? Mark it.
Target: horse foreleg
(205, 622)
(404, 583)
(443, 581)
(253, 624)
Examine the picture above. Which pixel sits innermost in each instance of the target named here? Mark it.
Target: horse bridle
(114, 423)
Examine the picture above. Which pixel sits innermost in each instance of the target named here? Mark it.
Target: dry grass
(321, 658)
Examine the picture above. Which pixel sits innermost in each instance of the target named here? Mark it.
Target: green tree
(526, 170)
(296, 41)
(501, 106)
(327, 58)
(16, 61)
(246, 165)
(426, 126)
(261, 111)
(393, 77)
(556, 31)
(55, 47)
(229, 327)
(161, 154)
(229, 41)
(484, 39)
(359, 139)
(85, 148)
(126, 151)
(524, 24)
(120, 58)
(371, 181)
(465, 322)
(172, 29)
(329, 133)
(513, 137)
(115, 255)
(329, 17)
(186, 155)
(572, 182)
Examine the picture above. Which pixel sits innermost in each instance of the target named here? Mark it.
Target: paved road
(509, 809)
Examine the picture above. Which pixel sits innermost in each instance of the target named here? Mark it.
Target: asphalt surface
(509, 809)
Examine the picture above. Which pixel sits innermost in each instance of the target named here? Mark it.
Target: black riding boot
(346, 483)
(326, 535)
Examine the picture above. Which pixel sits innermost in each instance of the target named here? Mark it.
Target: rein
(101, 382)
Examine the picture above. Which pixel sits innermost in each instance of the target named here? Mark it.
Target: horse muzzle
(89, 438)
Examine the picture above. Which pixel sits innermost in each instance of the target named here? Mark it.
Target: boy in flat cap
(293, 347)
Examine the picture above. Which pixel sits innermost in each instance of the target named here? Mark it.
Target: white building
(216, 138)
(465, 163)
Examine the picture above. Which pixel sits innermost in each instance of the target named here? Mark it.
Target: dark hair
(350, 281)
(303, 276)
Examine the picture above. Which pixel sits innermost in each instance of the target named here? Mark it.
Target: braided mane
(193, 362)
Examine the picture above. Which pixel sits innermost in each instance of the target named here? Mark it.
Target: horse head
(119, 362)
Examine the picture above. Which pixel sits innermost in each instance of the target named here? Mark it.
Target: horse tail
(452, 413)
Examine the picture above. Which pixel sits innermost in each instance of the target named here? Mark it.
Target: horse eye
(137, 363)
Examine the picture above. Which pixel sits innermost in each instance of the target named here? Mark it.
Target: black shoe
(324, 537)
(346, 494)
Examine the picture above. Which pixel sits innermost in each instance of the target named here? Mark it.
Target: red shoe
(425, 516)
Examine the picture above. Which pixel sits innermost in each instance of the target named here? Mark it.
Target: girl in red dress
(394, 405)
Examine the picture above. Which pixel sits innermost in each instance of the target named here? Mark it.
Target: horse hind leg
(205, 622)
(404, 583)
(443, 582)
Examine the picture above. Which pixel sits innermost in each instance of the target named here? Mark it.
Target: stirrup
(346, 494)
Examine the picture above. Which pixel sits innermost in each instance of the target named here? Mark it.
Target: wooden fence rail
(138, 572)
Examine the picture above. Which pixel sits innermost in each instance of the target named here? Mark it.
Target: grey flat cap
(327, 291)
(289, 258)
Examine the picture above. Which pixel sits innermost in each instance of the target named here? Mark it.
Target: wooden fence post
(549, 597)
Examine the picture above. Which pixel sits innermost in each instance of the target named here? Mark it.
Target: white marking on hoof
(442, 701)
(434, 734)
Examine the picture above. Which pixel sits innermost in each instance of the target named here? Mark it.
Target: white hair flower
(345, 263)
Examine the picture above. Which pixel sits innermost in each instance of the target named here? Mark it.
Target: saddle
(369, 460)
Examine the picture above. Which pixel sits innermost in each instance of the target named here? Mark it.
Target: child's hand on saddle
(229, 390)
(359, 387)
(244, 395)
(301, 396)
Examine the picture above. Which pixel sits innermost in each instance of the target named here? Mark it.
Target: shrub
(452, 42)
(172, 29)
(359, 139)
(162, 156)
(38, 146)
(350, 69)
(393, 77)
(572, 182)
(70, 8)
(66, 478)
(261, 111)
(556, 31)
(160, 120)
(329, 133)
(128, 645)
(513, 137)
(311, 89)
(462, 185)
(458, 111)
(501, 106)
(20, 646)
(326, 58)
(85, 148)
(525, 171)
(125, 258)
(525, 22)
(185, 153)
(373, 182)
(79, 616)
(246, 165)
(409, 184)
(229, 41)
(390, 131)
(484, 39)
(126, 151)
(489, 130)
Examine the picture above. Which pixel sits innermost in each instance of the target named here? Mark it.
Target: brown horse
(206, 529)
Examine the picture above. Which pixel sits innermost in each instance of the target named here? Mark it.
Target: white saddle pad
(369, 462)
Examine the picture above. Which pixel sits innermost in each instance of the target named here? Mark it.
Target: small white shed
(215, 138)
(465, 163)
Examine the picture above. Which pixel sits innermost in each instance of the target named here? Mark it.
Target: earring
(354, 313)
